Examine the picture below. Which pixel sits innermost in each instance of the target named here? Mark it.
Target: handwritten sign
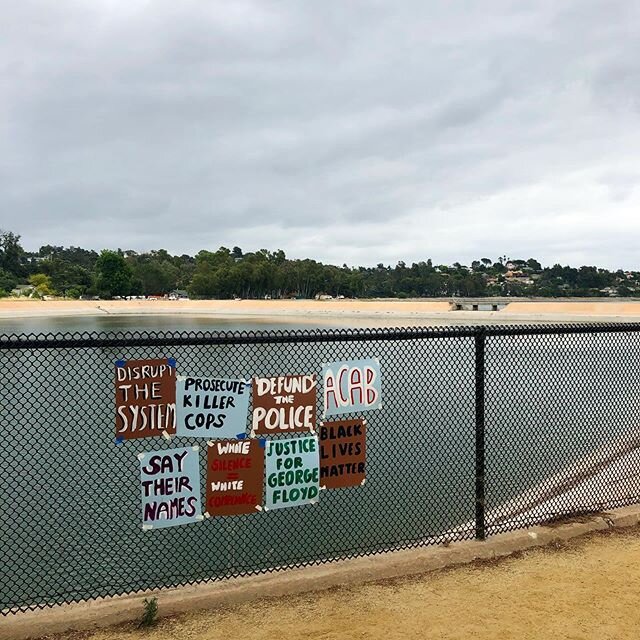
(170, 483)
(351, 386)
(235, 470)
(211, 407)
(342, 453)
(145, 398)
(284, 404)
(292, 471)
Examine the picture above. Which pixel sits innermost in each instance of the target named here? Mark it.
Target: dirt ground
(589, 588)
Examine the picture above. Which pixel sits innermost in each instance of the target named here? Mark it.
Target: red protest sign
(284, 404)
(342, 453)
(235, 471)
(145, 398)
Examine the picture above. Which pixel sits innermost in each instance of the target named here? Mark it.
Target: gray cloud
(352, 132)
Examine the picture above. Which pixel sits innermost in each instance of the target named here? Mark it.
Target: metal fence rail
(483, 429)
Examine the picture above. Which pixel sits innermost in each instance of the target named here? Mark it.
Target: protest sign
(342, 453)
(284, 404)
(170, 485)
(292, 471)
(235, 470)
(211, 407)
(351, 386)
(145, 398)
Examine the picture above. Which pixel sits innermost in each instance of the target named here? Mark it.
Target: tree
(11, 253)
(534, 265)
(72, 271)
(113, 275)
(66, 275)
(7, 281)
(154, 273)
(42, 284)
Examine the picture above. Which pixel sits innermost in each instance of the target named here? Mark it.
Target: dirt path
(587, 589)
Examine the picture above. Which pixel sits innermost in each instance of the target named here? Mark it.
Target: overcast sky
(343, 130)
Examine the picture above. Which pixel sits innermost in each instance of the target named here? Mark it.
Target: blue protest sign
(211, 407)
(351, 386)
(292, 472)
(170, 487)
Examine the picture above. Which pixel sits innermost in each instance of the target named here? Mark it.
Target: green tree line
(74, 272)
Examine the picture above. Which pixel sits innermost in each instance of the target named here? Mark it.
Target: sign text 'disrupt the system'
(145, 398)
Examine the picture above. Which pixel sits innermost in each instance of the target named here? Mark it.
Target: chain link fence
(482, 430)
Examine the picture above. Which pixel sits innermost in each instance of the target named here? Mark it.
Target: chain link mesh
(555, 403)
(562, 417)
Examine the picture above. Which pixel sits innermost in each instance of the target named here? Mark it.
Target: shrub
(150, 612)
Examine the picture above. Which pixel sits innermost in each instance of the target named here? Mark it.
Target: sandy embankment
(609, 309)
(533, 310)
(224, 308)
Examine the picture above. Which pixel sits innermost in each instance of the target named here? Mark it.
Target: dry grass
(585, 589)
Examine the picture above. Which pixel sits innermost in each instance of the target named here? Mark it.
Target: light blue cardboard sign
(293, 472)
(211, 407)
(351, 386)
(170, 487)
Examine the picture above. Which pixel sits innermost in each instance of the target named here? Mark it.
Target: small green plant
(150, 612)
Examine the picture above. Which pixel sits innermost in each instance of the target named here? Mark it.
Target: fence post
(479, 445)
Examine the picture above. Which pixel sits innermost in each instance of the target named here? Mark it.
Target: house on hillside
(23, 290)
(518, 277)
